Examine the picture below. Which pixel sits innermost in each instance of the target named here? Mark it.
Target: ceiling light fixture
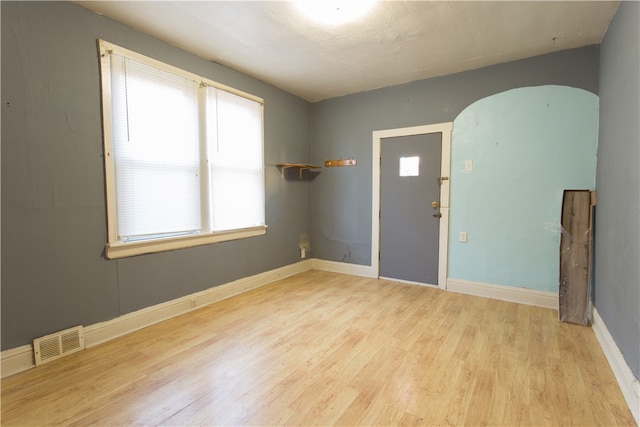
(334, 12)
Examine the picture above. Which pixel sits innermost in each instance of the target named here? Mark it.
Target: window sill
(123, 250)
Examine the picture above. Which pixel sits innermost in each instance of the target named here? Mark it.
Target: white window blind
(236, 157)
(156, 151)
(184, 156)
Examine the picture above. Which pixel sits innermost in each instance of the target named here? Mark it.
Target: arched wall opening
(525, 146)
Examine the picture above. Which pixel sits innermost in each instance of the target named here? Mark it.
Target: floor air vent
(55, 346)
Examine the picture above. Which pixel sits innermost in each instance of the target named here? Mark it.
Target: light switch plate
(468, 165)
(463, 236)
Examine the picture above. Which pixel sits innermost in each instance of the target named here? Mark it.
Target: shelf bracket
(300, 166)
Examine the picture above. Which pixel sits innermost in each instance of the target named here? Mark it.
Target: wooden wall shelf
(297, 166)
(340, 163)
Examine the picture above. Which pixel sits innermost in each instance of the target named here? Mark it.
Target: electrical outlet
(463, 236)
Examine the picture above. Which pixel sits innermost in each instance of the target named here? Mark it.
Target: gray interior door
(410, 207)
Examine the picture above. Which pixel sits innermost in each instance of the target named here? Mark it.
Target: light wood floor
(327, 349)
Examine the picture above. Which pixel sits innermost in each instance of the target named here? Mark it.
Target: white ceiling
(397, 42)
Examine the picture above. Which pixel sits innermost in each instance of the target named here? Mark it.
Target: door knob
(435, 204)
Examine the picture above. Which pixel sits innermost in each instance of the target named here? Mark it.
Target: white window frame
(119, 249)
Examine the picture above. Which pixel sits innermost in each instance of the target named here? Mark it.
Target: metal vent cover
(54, 346)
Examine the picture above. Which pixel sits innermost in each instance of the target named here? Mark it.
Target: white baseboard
(344, 268)
(504, 293)
(409, 282)
(626, 380)
(105, 331)
(21, 358)
(16, 360)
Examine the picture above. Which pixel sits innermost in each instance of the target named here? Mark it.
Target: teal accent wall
(527, 145)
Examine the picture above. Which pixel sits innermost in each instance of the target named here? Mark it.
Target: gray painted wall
(54, 274)
(617, 253)
(341, 207)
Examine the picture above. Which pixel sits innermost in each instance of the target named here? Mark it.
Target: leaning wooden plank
(575, 253)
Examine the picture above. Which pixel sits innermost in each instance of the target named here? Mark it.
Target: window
(183, 157)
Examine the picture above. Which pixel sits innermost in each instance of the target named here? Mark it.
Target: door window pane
(410, 166)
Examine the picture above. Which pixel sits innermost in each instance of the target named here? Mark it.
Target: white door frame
(445, 169)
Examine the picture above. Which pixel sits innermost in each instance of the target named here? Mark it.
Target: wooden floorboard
(328, 349)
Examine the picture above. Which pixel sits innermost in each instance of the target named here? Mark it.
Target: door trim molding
(445, 169)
